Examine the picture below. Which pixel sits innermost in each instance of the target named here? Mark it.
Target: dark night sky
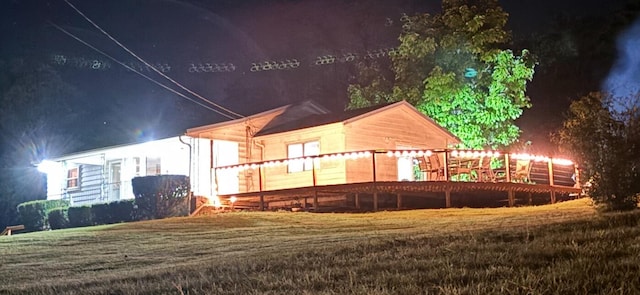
(177, 34)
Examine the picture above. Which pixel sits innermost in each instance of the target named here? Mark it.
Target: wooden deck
(367, 181)
(352, 194)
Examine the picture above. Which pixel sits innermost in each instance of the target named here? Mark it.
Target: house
(291, 131)
(104, 175)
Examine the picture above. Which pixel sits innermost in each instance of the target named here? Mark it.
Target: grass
(565, 248)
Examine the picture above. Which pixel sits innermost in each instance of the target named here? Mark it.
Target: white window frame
(156, 169)
(73, 177)
(300, 150)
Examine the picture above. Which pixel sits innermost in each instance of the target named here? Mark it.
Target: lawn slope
(554, 249)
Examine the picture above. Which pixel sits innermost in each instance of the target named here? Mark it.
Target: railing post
(551, 182)
(315, 190)
(507, 168)
(446, 164)
(375, 188)
(260, 187)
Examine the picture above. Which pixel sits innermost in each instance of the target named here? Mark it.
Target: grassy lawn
(565, 248)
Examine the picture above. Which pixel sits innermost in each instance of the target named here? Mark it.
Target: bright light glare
(47, 167)
(233, 199)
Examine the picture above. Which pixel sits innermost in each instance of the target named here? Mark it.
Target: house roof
(344, 117)
(316, 120)
(307, 106)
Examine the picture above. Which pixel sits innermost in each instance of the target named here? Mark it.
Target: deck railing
(417, 165)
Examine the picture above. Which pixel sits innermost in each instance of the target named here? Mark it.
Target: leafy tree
(605, 141)
(37, 114)
(453, 67)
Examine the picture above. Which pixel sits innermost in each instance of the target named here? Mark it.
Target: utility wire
(150, 66)
(139, 73)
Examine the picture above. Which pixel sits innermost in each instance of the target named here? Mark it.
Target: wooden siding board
(388, 130)
(331, 140)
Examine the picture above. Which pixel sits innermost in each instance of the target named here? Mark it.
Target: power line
(147, 64)
(139, 73)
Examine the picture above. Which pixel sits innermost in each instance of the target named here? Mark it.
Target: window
(299, 150)
(153, 166)
(136, 163)
(73, 178)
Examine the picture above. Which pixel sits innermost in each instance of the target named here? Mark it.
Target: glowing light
(398, 154)
(233, 199)
(563, 162)
(389, 154)
(428, 153)
(455, 153)
(48, 167)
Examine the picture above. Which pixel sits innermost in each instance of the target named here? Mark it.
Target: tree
(37, 113)
(452, 66)
(605, 141)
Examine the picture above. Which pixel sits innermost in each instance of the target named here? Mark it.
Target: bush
(33, 214)
(80, 216)
(161, 196)
(58, 218)
(122, 211)
(101, 214)
(605, 141)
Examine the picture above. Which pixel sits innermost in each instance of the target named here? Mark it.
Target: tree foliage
(37, 110)
(605, 141)
(453, 67)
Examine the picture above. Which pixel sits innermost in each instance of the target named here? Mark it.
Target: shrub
(161, 196)
(122, 211)
(101, 214)
(605, 141)
(58, 218)
(80, 216)
(33, 214)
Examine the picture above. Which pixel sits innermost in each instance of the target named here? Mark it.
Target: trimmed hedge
(100, 213)
(80, 216)
(34, 214)
(122, 211)
(161, 196)
(58, 218)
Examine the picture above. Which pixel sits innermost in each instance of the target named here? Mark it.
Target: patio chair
(434, 169)
(522, 172)
(483, 170)
(460, 167)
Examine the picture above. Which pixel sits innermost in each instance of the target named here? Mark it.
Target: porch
(396, 179)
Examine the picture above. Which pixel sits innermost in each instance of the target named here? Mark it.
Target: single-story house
(104, 175)
(287, 135)
(292, 131)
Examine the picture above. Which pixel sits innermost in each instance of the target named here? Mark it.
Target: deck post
(512, 199)
(507, 168)
(375, 187)
(357, 200)
(399, 200)
(446, 165)
(551, 183)
(315, 190)
(261, 202)
(447, 198)
(375, 200)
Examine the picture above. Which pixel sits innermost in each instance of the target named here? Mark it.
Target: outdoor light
(233, 199)
(47, 166)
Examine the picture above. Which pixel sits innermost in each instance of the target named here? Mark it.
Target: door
(115, 180)
(226, 153)
(405, 166)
